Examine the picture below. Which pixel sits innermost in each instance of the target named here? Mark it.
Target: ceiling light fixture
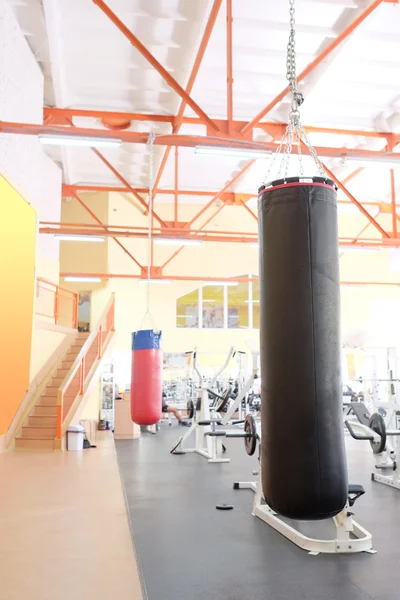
(69, 140)
(229, 283)
(383, 161)
(162, 281)
(233, 152)
(176, 242)
(359, 249)
(81, 279)
(78, 238)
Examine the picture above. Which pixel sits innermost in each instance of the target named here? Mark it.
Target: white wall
(22, 160)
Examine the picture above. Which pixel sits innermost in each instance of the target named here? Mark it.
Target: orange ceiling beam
(317, 61)
(126, 184)
(228, 197)
(206, 278)
(356, 202)
(63, 116)
(188, 141)
(136, 43)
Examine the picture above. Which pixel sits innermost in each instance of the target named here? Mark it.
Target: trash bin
(75, 437)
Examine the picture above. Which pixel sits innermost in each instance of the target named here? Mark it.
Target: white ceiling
(88, 63)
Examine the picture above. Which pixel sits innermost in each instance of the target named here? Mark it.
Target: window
(213, 306)
(233, 305)
(187, 310)
(238, 306)
(256, 305)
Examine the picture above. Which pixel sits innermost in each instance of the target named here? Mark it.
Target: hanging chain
(294, 134)
(150, 147)
(291, 75)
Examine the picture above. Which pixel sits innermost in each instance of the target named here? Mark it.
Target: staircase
(39, 429)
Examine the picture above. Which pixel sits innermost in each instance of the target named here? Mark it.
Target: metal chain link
(295, 133)
(150, 147)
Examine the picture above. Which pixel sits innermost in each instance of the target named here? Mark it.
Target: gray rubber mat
(188, 550)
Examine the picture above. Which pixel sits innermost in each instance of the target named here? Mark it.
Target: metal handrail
(59, 292)
(79, 362)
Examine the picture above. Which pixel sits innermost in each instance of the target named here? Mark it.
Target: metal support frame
(224, 133)
(206, 446)
(351, 538)
(104, 227)
(136, 43)
(179, 119)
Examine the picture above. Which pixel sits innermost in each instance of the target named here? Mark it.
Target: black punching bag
(304, 471)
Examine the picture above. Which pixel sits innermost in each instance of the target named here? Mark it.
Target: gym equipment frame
(350, 537)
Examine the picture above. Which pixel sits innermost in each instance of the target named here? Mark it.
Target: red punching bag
(146, 382)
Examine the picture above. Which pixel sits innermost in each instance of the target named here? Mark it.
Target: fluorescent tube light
(359, 249)
(230, 283)
(254, 245)
(368, 161)
(78, 238)
(177, 242)
(78, 279)
(253, 301)
(68, 140)
(154, 281)
(235, 152)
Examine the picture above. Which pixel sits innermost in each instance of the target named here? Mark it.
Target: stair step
(48, 401)
(51, 391)
(57, 381)
(62, 372)
(83, 335)
(34, 443)
(40, 420)
(45, 411)
(40, 431)
(67, 364)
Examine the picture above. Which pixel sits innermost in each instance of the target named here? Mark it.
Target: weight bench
(361, 412)
(354, 493)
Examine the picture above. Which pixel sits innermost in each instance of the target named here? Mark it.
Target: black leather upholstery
(304, 472)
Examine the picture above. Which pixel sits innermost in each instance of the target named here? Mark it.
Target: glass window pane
(187, 310)
(213, 306)
(238, 306)
(256, 305)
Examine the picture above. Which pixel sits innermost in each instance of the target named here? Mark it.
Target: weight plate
(377, 424)
(190, 409)
(250, 429)
(223, 402)
(224, 507)
(198, 404)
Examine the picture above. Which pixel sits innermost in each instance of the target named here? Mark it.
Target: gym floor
(188, 549)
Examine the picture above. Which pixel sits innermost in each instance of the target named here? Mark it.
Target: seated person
(174, 411)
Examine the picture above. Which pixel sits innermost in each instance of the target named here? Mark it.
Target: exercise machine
(372, 428)
(208, 437)
(206, 445)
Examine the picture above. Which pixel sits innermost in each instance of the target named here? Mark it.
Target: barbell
(249, 433)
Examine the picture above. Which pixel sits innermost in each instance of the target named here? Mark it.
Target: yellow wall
(44, 344)
(78, 257)
(17, 275)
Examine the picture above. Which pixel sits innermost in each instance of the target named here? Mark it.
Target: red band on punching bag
(146, 384)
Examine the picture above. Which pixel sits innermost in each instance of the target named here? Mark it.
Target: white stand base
(350, 538)
(386, 480)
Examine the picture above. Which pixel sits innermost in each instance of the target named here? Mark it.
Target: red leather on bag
(146, 386)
